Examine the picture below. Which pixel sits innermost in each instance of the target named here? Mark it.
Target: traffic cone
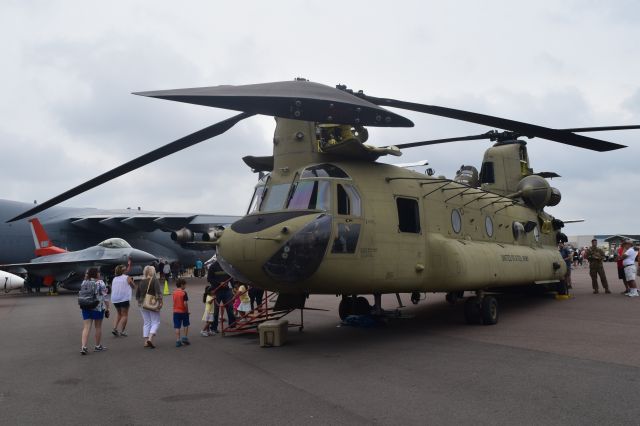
(166, 291)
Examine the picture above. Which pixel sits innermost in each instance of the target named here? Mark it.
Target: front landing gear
(352, 305)
(481, 309)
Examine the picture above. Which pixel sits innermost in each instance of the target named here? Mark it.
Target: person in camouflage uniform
(595, 256)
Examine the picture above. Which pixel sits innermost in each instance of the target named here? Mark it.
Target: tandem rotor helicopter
(327, 218)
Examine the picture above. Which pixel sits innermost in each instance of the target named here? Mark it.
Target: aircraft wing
(53, 267)
(135, 220)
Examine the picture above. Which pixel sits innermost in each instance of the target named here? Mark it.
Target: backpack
(88, 295)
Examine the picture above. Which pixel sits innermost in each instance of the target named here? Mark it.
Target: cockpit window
(313, 195)
(254, 206)
(348, 201)
(324, 170)
(114, 243)
(275, 196)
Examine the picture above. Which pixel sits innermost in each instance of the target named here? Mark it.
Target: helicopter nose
(139, 256)
(302, 254)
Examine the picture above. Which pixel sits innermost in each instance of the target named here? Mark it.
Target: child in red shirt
(181, 312)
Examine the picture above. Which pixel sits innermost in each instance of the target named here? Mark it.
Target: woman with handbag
(149, 297)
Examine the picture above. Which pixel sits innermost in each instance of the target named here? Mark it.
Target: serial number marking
(514, 258)
(368, 252)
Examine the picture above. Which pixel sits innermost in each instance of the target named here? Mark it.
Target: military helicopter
(327, 218)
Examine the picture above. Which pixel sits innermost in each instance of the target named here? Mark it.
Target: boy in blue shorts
(181, 312)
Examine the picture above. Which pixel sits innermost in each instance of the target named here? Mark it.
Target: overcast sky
(68, 69)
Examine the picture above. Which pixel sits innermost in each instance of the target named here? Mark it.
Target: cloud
(69, 70)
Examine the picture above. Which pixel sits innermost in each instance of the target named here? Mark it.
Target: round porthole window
(488, 226)
(456, 221)
(536, 233)
(518, 230)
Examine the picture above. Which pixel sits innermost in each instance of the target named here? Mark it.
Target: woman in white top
(120, 297)
(629, 267)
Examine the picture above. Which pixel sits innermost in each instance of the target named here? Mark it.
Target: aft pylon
(166, 291)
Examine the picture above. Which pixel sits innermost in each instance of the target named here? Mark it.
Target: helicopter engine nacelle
(555, 198)
(467, 175)
(212, 235)
(183, 235)
(535, 191)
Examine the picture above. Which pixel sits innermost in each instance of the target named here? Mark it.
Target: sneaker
(99, 348)
(115, 332)
(205, 334)
(178, 343)
(123, 334)
(212, 333)
(84, 351)
(633, 294)
(185, 341)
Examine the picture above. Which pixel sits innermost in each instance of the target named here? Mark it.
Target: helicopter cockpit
(324, 189)
(311, 189)
(114, 243)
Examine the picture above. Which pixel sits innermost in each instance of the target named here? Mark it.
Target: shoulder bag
(150, 302)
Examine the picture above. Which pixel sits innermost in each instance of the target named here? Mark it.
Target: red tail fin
(43, 244)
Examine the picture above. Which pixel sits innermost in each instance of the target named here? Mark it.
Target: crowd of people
(626, 258)
(95, 299)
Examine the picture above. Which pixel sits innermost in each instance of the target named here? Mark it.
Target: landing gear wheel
(353, 306)
(345, 307)
(489, 310)
(451, 298)
(415, 297)
(362, 306)
(472, 311)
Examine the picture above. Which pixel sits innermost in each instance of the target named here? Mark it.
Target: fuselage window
(486, 173)
(456, 221)
(408, 215)
(348, 201)
(275, 197)
(324, 170)
(488, 226)
(346, 239)
(518, 230)
(310, 194)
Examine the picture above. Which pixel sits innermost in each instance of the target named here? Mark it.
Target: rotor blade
(525, 129)
(168, 149)
(298, 100)
(600, 129)
(487, 135)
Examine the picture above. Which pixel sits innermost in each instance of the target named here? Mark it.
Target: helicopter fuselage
(356, 227)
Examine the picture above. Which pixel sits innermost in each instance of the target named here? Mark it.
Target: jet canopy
(114, 243)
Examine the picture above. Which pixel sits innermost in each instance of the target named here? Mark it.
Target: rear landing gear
(481, 310)
(453, 297)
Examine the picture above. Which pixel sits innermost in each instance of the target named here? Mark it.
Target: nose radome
(139, 256)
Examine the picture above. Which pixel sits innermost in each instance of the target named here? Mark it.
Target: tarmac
(546, 362)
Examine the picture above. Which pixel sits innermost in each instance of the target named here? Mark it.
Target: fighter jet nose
(139, 256)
